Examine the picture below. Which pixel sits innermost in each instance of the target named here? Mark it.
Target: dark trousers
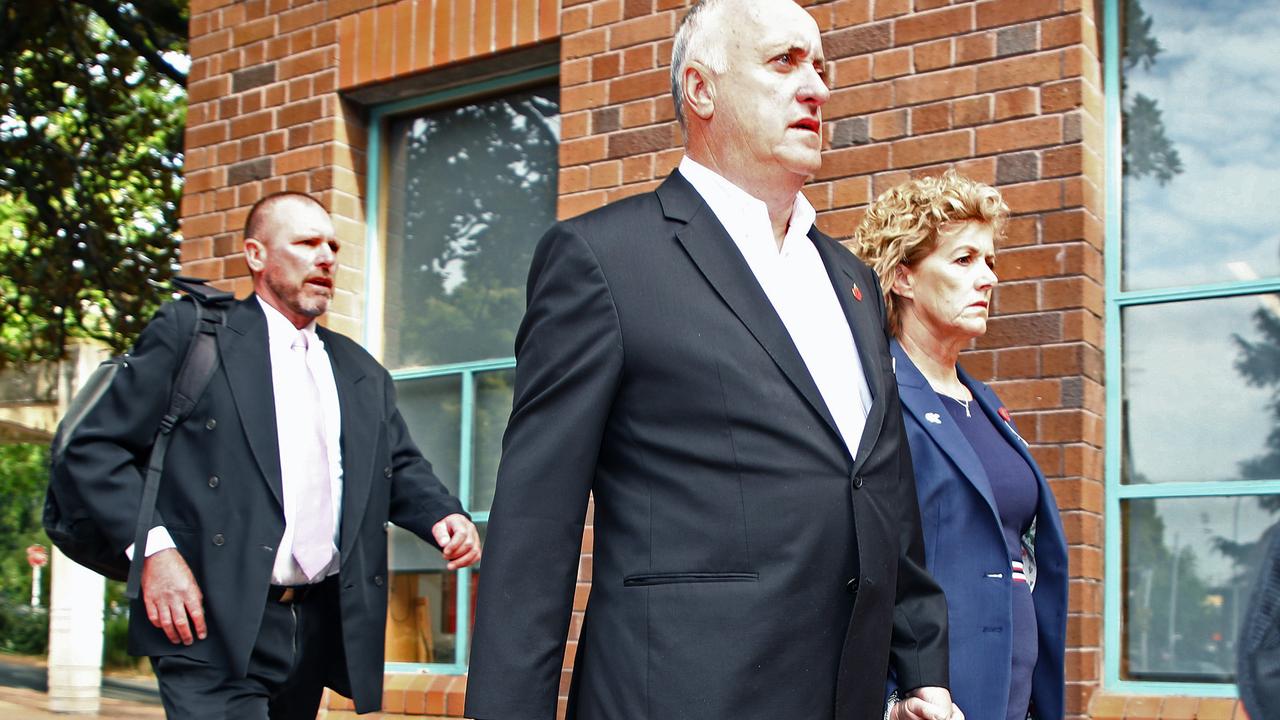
(298, 652)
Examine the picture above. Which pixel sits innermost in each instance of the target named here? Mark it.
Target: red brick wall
(266, 111)
(1007, 91)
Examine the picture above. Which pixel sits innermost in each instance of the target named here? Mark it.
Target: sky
(1217, 81)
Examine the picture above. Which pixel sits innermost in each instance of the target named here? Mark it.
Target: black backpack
(67, 520)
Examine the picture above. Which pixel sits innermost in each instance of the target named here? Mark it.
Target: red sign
(37, 556)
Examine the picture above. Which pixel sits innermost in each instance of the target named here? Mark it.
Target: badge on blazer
(934, 418)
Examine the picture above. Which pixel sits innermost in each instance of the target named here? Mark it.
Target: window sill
(1106, 706)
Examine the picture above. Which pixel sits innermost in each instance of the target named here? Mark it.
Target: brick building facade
(1010, 92)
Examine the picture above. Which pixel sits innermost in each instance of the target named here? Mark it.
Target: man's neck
(777, 192)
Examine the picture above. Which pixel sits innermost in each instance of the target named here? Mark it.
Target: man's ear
(903, 282)
(255, 254)
(699, 93)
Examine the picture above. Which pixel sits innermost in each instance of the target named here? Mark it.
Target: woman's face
(948, 292)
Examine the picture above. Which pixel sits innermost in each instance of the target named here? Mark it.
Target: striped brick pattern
(413, 36)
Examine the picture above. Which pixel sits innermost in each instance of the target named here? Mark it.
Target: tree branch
(109, 12)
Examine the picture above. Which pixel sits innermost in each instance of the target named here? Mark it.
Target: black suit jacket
(220, 495)
(745, 566)
(1258, 649)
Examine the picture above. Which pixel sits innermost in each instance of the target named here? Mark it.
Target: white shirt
(800, 290)
(284, 380)
(286, 383)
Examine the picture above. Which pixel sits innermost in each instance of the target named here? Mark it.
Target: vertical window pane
(1187, 566)
(473, 188)
(1200, 391)
(432, 409)
(494, 392)
(1200, 137)
(422, 603)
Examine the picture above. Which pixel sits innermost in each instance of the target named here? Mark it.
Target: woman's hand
(926, 703)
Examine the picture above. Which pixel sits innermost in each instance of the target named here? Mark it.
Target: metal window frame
(1117, 299)
(373, 318)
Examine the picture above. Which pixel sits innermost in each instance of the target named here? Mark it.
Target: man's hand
(172, 597)
(459, 540)
(927, 703)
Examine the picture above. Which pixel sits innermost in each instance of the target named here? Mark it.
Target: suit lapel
(709, 246)
(868, 330)
(359, 412)
(246, 359)
(920, 401)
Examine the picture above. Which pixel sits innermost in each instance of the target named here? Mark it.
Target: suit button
(377, 580)
(213, 481)
(386, 471)
(857, 482)
(219, 540)
(852, 585)
(211, 424)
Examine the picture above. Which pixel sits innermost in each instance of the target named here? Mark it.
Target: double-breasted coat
(220, 493)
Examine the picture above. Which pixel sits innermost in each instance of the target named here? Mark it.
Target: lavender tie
(313, 535)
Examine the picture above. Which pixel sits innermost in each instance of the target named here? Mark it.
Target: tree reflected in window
(476, 187)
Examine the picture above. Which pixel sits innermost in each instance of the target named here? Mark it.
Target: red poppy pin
(857, 294)
(1004, 414)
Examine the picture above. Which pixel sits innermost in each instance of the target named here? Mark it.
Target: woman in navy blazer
(993, 538)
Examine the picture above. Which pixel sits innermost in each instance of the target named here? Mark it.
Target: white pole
(77, 594)
(35, 586)
(75, 637)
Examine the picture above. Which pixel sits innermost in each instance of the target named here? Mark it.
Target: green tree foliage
(23, 475)
(90, 174)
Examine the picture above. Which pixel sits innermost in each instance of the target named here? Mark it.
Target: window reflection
(494, 393)
(1200, 134)
(475, 186)
(422, 603)
(1188, 566)
(1200, 390)
(432, 411)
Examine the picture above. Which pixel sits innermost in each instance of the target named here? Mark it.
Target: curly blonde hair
(902, 226)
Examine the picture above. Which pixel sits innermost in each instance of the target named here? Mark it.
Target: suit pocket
(675, 578)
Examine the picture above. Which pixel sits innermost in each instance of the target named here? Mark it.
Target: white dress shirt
(285, 382)
(797, 284)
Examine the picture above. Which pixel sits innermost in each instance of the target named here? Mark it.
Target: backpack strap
(198, 367)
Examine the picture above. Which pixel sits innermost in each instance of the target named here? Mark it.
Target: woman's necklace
(964, 404)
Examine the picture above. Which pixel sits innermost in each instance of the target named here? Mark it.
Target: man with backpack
(265, 571)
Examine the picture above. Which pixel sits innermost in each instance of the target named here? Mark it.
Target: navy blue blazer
(966, 552)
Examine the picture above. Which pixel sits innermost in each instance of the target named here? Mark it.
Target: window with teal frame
(461, 184)
(1193, 333)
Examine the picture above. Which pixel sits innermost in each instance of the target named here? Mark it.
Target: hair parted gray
(696, 40)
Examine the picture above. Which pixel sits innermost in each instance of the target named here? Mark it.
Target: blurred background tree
(93, 98)
(94, 107)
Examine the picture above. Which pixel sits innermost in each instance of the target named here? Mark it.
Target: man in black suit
(265, 571)
(716, 371)
(1258, 649)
